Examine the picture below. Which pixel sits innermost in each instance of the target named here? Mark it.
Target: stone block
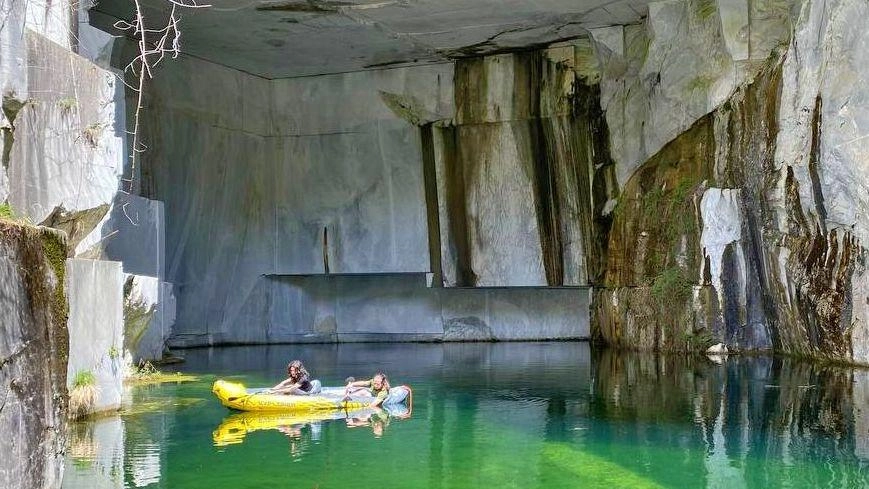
(68, 144)
(149, 310)
(514, 313)
(96, 326)
(133, 232)
(391, 305)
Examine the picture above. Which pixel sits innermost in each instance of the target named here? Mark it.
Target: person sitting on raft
(298, 381)
(377, 387)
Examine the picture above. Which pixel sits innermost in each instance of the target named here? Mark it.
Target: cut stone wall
(67, 147)
(96, 326)
(400, 307)
(311, 188)
(522, 172)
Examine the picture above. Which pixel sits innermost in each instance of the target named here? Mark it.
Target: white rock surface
(96, 326)
(66, 149)
(722, 226)
(685, 60)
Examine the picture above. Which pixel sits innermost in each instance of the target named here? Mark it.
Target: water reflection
(518, 415)
(236, 426)
(758, 419)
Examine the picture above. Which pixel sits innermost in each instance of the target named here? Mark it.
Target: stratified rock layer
(782, 277)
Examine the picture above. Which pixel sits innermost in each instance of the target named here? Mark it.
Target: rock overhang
(291, 38)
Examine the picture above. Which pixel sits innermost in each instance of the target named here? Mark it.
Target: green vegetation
(66, 104)
(83, 395)
(84, 378)
(114, 352)
(146, 373)
(669, 207)
(6, 211)
(668, 215)
(704, 9)
(54, 251)
(671, 286)
(698, 340)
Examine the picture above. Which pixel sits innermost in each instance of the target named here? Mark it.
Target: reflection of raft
(234, 428)
(235, 396)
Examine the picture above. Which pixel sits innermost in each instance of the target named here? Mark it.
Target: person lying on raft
(378, 420)
(297, 383)
(377, 387)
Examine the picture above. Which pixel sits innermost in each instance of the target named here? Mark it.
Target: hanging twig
(154, 44)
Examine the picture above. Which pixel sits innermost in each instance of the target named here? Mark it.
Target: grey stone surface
(515, 314)
(33, 373)
(501, 223)
(391, 304)
(684, 60)
(371, 34)
(133, 232)
(344, 102)
(68, 149)
(310, 161)
(364, 188)
(399, 307)
(517, 174)
(96, 326)
(823, 90)
(13, 49)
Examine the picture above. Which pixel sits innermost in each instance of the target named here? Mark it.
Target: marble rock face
(67, 148)
(325, 179)
(781, 230)
(659, 77)
(823, 122)
(33, 348)
(521, 172)
(96, 327)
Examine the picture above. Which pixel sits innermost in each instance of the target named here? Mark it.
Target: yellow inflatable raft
(236, 396)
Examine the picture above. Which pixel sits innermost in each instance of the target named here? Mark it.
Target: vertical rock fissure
(814, 157)
(457, 207)
(528, 83)
(596, 176)
(546, 202)
(430, 185)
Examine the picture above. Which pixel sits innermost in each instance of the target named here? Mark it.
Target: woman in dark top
(298, 381)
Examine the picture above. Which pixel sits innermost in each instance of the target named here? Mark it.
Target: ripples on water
(495, 415)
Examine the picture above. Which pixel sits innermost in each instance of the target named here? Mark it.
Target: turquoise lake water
(494, 415)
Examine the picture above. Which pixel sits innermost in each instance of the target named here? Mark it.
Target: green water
(521, 415)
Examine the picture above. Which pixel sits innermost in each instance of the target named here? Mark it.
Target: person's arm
(359, 383)
(284, 384)
(378, 401)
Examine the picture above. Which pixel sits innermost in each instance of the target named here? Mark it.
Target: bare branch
(154, 44)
